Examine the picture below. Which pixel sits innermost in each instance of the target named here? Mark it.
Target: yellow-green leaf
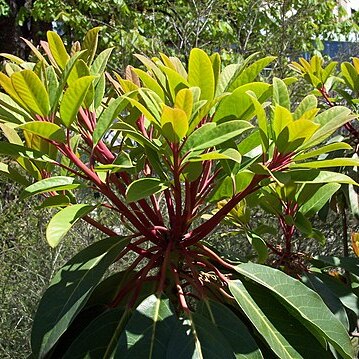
(184, 101)
(73, 98)
(200, 73)
(57, 49)
(47, 130)
(31, 91)
(174, 123)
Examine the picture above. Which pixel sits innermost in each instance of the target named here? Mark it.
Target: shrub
(160, 148)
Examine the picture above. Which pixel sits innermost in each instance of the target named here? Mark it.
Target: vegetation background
(235, 29)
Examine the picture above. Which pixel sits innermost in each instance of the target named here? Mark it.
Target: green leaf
(174, 123)
(310, 102)
(100, 63)
(150, 83)
(31, 91)
(10, 149)
(56, 183)
(250, 73)
(350, 264)
(63, 220)
(198, 338)
(334, 162)
(14, 175)
(100, 337)
(90, 43)
(73, 98)
(47, 130)
(329, 120)
(259, 245)
(200, 73)
(107, 117)
(232, 328)
(144, 187)
(228, 154)
(148, 331)
(318, 199)
(350, 75)
(280, 93)
(286, 326)
(275, 339)
(239, 105)
(329, 298)
(306, 304)
(324, 149)
(210, 135)
(57, 49)
(315, 176)
(69, 291)
(184, 101)
(59, 200)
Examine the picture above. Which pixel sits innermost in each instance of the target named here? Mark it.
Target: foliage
(159, 148)
(232, 28)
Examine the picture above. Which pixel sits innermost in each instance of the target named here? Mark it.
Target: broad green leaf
(90, 43)
(334, 162)
(57, 49)
(216, 65)
(329, 298)
(31, 91)
(350, 76)
(329, 120)
(73, 98)
(59, 200)
(200, 73)
(197, 337)
(210, 135)
(184, 101)
(143, 110)
(100, 337)
(232, 328)
(144, 187)
(232, 185)
(69, 291)
(47, 130)
(259, 246)
(100, 63)
(134, 134)
(100, 90)
(80, 69)
(63, 220)
(13, 150)
(179, 66)
(7, 85)
(107, 117)
(239, 104)
(324, 149)
(228, 154)
(282, 117)
(52, 184)
(151, 66)
(10, 134)
(175, 82)
(342, 291)
(315, 176)
(150, 83)
(350, 264)
(261, 120)
(275, 339)
(310, 102)
(306, 304)
(148, 331)
(13, 174)
(63, 80)
(305, 345)
(250, 73)
(174, 122)
(280, 93)
(315, 203)
(12, 108)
